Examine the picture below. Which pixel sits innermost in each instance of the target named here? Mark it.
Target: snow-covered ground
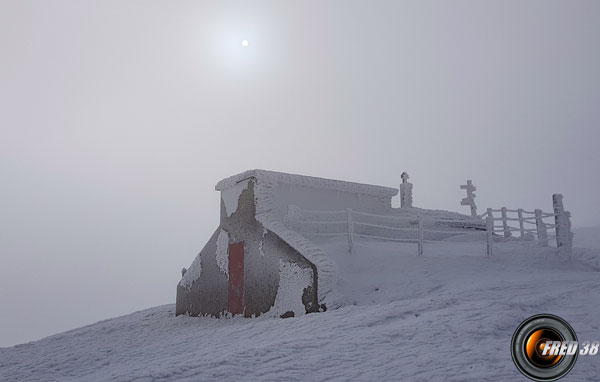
(445, 316)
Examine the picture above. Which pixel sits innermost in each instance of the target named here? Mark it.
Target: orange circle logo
(544, 348)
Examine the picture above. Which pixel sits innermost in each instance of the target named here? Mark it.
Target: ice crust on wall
(222, 254)
(292, 281)
(262, 240)
(231, 196)
(192, 274)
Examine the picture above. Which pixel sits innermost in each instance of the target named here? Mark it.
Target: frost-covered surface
(272, 196)
(292, 281)
(267, 215)
(222, 254)
(590, 257)
(192, 274)
(303, 180)
(406, 199)
(434, 214)
(231, 196)
(262, 241)
(401, 313)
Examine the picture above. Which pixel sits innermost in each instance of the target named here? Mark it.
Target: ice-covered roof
(307, 181)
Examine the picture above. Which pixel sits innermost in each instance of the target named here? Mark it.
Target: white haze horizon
(117, 118)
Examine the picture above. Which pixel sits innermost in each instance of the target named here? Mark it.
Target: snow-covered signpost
(470, 199)
(405, 191)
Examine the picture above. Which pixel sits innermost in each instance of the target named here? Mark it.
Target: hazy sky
(117, 118)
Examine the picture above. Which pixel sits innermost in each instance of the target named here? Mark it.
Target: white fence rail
(356, 224)
(423, 229)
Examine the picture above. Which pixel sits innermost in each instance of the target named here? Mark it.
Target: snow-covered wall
(206, 291)
(293, 282)
(310, 192)
(203, 288)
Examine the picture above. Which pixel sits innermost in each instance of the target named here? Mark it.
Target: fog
(117, 118)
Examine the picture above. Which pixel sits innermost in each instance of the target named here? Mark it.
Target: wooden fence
(356, 224)
(530, 225)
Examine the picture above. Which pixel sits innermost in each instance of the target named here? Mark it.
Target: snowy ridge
(589, 257)
(401, 312)
(326, 268)
(308, 181)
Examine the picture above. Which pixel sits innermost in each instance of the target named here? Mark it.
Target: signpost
(470, 199)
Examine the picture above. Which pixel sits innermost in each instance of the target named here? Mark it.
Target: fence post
(569, 233)
(507, 232)
(350, 229)
(562, 224)
(489, 220)
(541, 228)
(420, 248)
(521, 225)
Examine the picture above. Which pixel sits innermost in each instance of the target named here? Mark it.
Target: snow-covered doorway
(236, 278)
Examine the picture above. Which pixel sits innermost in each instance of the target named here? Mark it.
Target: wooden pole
(541, 228)
(489, 231)
(567, 221)
(557, 205)
(420, 248)
(562, 223)
(350, 229)
(521, 225)
(507, 232)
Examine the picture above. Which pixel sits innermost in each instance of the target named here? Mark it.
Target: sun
(244, 43)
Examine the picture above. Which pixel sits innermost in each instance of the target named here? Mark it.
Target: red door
(236, 278)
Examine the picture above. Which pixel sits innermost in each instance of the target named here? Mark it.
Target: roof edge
(308, 181)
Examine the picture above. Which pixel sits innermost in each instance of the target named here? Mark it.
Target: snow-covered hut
(253, 263)
(261, 260)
